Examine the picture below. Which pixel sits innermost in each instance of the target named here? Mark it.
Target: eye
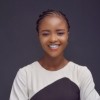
(45, 34)
(60, 33)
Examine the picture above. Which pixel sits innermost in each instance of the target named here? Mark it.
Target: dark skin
(53, 31)
(55, 65)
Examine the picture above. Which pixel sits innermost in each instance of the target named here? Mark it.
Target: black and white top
(72, 82)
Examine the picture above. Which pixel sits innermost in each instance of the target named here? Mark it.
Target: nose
(53, 38)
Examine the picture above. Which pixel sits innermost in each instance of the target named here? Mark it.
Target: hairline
(53, 14)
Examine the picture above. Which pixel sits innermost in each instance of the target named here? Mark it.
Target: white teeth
(54, 46)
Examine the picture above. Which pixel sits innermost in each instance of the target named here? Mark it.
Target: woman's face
(53, 35)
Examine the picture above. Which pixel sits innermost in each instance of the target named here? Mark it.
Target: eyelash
(45, 34)
(60, 33)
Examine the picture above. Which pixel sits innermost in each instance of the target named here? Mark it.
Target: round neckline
(52, 71)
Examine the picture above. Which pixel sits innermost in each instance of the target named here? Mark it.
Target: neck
(50, 63)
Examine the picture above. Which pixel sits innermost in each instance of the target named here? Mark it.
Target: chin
(54, 55)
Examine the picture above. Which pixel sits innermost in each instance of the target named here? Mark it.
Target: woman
(53, 77)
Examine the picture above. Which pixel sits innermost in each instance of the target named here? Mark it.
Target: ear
(38, 35)
(68, 32)
(68, 37)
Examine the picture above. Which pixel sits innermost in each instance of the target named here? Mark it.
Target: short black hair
(50, 12)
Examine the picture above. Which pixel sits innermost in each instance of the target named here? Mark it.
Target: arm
(19, 88)
(87, 86)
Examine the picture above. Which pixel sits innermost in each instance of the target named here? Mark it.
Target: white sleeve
(87, 86)
(19, 88)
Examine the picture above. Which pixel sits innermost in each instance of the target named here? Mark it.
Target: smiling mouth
(54, 46)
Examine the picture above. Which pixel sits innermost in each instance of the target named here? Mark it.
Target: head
(53, 29)
(51, 13)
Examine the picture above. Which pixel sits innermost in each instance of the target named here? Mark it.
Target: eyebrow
(56, 30)
(60, 30)
(45, 31)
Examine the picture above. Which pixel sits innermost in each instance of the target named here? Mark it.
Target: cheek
(64, 39)
(43, 41)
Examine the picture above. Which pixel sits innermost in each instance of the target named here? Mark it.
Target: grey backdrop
(19, 44)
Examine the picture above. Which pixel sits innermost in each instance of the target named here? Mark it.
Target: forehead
(53, 23)
(52, 19)
(53, 15)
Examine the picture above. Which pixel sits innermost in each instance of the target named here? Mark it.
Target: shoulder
(28, 69)
(83, 73)
(80, 68)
